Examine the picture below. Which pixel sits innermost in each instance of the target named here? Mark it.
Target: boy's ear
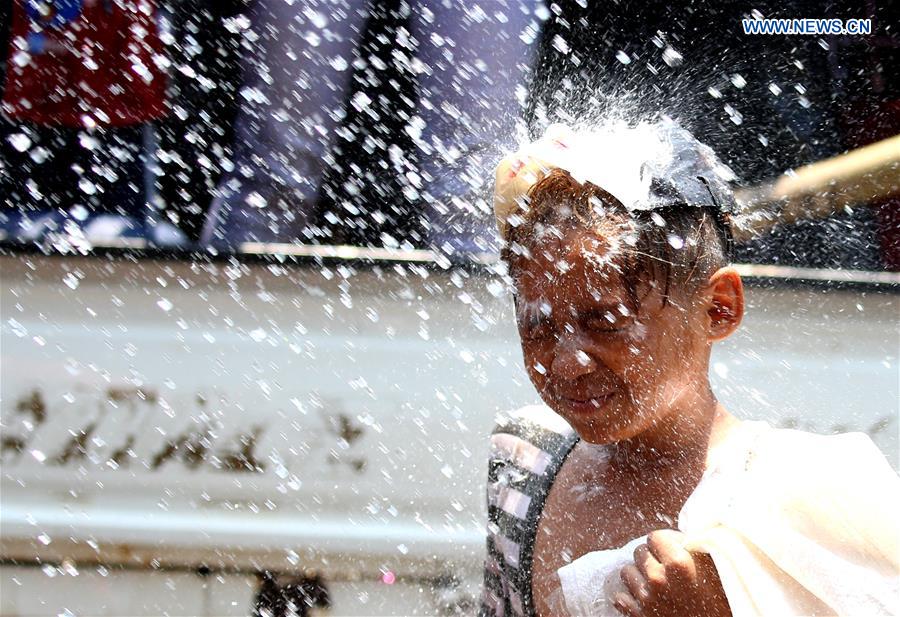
(725, 303)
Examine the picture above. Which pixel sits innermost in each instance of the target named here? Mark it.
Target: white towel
(796, 523)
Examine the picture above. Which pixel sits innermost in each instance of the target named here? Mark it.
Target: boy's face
(610, 368)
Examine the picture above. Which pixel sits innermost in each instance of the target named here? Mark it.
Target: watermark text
(807, 26)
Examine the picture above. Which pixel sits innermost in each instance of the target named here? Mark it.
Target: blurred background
(378, 124)
(254, 334)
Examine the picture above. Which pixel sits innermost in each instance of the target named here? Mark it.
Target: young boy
(634, 491)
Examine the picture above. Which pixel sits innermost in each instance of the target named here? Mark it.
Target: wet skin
(631, 379)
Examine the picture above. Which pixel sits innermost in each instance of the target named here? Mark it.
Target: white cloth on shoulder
(796, 524)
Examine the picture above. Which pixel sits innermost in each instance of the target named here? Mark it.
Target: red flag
(85, 62)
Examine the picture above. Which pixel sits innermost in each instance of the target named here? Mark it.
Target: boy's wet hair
(673, 246)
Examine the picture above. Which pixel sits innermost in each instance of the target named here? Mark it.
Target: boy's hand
(666, 580)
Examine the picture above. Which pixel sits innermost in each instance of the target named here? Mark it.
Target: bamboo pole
(821, 189)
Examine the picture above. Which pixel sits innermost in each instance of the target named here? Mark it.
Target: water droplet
(255, 200)
(672, 57)
(734, 115)
(361, 101)
(87, 142)
(312, 38)
(675, 241)
(560, 44)
(69, 567)
(87, 187)
(19, 141)
(21, 58)
(79, 212)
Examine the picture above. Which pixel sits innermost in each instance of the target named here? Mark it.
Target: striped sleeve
(526, 451)
(494, 591)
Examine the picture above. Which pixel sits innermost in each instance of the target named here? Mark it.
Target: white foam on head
(610, 155)
(621, 157)
(613, 157)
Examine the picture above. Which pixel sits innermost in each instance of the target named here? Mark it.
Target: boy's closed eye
(538, 326)
(605, 320)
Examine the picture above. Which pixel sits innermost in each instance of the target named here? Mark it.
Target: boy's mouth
(586, 406)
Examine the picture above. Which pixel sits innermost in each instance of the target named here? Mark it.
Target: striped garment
(528, 448)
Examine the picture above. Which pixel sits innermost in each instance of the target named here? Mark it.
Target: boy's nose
(571, 362)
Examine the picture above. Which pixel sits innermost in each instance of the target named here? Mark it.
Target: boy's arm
(666, 580)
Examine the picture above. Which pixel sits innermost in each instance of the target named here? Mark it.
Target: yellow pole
(820, 189)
